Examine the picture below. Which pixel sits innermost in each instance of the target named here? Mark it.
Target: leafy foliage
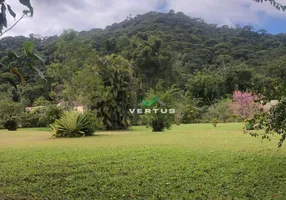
(11, 124)
(249, 124)
(41, 116)
(244, 104)
(10, 112)
(214, 122)
(276, 122)
(5, 7)
(9, 70)
(220, 111)
(273, 122)
(274, 3)
(108, 87)
(163, 119)
(117, 93)
(207, 63)
(159, 123)
(72, 124)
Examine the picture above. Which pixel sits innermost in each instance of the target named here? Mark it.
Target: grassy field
(188, 162)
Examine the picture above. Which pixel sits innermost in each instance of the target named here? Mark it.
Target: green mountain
(207, 61)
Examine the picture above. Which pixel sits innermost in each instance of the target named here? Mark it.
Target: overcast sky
(52, 16)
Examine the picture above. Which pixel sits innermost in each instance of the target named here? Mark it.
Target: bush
(49, 115)
(220, 111)
(214, 122)
(41, 116)
(167, 99)
(249, 124)
(96, 123)
(29, 120)
(255, 123)
(72, 124)
(41, 101)
(159, 124)
(191, 112)
(11, 125)
(10, 112)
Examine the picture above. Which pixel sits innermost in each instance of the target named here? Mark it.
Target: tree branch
(13, 25)
(274, 3)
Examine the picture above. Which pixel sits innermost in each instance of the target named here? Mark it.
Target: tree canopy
(113, 69)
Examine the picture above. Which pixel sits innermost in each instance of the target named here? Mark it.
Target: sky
(51, 17)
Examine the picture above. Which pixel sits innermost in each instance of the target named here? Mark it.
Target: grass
(189, 162)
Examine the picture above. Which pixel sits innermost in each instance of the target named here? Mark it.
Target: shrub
(49, 115)
(29, 120)
(187, 110)
(96, 123)
(41, 116)
(10, 112)
(11, 125)
(136, 120)
(41, 101)
(159, 124)
(166, 99)
(214, 122)
(221, 111)
(72, 124)
(249, 124)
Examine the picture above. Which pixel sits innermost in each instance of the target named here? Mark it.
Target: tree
(207, 62)
(244, 104)
(205, 86)
(170, 98)
(237, 77)
(273, 122)
(9, 70)
(116, 94)
(3, 18)
(276, 122)
(108, 87)
(70, 56)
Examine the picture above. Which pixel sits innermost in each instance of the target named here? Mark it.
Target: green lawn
(188, 162)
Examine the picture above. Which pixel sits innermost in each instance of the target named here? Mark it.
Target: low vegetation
(188, 162)
(72, 124)
(173, 69)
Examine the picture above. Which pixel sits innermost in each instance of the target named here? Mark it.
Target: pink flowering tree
(244, 104)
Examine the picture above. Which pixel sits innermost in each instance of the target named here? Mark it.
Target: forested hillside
(205, 61)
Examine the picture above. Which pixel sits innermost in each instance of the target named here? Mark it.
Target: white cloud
(229, 12)
(52, 16)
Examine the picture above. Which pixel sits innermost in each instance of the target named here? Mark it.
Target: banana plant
(10, 68)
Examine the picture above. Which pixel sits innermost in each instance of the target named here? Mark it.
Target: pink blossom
(244, 104)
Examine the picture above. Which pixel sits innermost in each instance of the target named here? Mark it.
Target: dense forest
(147, 54)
